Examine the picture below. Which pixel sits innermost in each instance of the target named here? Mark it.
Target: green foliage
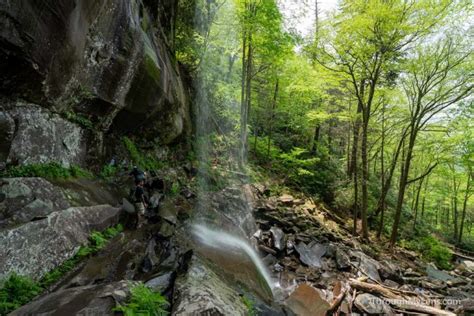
(144, 161)
(108, 171)
(250, 304)
(16, 291)
(97, 241)
(144, 302)
(79, 119)
(52, 170)
(299, 168)
(431, 249)
(175, 188)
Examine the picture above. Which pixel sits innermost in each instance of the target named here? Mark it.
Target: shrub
(146, 162)
(431, 249)
(144, 301)
(52, 170)
(108, 171)
(16, 291)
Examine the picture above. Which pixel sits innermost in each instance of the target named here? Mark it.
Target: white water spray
(226, 242)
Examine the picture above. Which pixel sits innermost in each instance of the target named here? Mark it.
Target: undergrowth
(52, 170)
(17, 290)
(144, 161)
(144, 301)
(431, 249)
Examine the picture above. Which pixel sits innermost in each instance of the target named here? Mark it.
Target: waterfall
(217, 82)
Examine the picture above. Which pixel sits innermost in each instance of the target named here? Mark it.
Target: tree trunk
(272, 113)
(417, 199)
(403, 183)
(464, 206)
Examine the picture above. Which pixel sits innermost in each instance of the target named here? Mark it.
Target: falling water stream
(227, 243)
(227, 247)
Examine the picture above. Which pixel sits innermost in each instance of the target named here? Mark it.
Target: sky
(299, 14)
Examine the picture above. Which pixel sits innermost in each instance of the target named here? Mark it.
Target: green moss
(144, 301)
(144, 161)
(250, 304)
(150, 65)
(52, 170)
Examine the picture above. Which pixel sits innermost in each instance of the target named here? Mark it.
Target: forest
(237, 157)
(371, 112)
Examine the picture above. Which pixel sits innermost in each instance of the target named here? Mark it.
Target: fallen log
(397, 300)
(412, 306)
(373, 289)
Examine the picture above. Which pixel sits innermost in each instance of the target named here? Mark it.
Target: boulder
(343, 261)
(307, 301)
(372, 305)
(279, 238)
(200, 291)
(311, 254)
(466, 265)
(37, 247)
(368, 265)
(82, 300)
(162, 282)
(25, 199)
(42, 137)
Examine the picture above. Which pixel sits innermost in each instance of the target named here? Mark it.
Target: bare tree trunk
(464, 206)
(417, 199)
(272, 113)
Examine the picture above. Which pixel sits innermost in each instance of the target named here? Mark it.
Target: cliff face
(105, 64)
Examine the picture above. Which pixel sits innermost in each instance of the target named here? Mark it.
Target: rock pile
(327, 271)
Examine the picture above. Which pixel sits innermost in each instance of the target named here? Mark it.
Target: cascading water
(217, 82)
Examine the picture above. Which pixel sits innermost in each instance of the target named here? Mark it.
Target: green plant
(250, 304)
(52, 170)
(16, 291)
(175, 188)
(108, 171)
(78, 119)
(144, 161)
(144, 301)
(431, 249)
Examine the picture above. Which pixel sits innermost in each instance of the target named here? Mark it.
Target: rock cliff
(72, 72)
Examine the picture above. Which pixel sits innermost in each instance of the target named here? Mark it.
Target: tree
(435, 79)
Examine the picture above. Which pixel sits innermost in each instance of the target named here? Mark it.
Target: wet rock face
(26, 199)
(41, 137)
(201, 292)
(106, 60)
(39, 246)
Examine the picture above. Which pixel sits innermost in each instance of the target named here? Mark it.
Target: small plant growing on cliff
(146, 162)
(78, 119)
(250, 304)
(16, 291)
(52, 170)
(144, 301)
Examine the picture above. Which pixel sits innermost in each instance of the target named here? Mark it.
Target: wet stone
(162, 282)
(307, 301)
(279, 238)
(372, 305)
(311, 254)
